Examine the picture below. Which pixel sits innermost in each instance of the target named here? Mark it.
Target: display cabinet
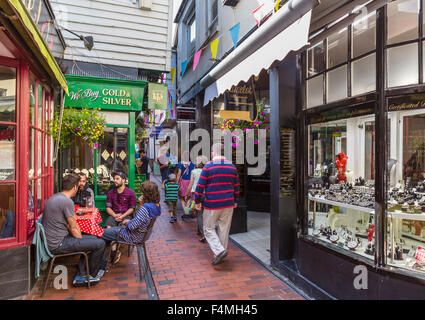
(341, 189)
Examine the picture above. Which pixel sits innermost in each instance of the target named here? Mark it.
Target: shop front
(29, 76)
(361, 158)
(119, 103)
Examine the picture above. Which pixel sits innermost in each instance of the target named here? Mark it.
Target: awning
(29, 32)
(286, 31)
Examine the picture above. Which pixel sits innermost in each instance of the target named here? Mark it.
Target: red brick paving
(182, 270)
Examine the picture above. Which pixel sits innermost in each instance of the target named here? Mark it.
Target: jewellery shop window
(406, 184)
(341, 184)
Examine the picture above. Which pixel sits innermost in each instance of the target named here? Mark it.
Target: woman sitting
(133, 230)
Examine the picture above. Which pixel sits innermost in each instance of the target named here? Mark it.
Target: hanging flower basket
(238, 127)
(87, 124)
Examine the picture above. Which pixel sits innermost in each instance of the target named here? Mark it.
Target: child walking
(171, 195)
(194, 177)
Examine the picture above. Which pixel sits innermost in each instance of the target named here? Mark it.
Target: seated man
(133, 229)
(63, 234)
(120, 201)
(84, 195)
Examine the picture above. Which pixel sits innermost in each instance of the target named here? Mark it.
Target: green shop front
(119, 102)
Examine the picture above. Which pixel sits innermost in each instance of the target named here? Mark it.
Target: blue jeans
(87, 243)
(109, 235)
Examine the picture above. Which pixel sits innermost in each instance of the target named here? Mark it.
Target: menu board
(287, 162)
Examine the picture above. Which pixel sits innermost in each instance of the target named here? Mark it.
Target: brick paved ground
(182, 270)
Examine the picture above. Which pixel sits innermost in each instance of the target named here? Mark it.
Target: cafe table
(88, 219)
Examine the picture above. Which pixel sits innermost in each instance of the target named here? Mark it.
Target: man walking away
(219, 181)
(63, 234)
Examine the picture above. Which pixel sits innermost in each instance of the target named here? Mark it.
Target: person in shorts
(171, 195)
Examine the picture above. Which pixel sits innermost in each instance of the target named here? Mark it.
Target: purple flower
(255, 142)
(95, 145)
(77, 128)
(234, 145)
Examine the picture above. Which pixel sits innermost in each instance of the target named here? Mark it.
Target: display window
(344, 64)
(341, 186)
(406, 183)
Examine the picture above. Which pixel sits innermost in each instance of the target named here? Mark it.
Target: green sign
(107, 94)
(158, 95)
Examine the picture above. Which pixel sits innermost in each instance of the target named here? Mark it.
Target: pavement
(181, 270)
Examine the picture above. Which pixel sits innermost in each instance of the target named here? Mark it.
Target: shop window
(402, 21)
(31, 153)
(112, 157)
(402, 65)
(32, 100)
(363, 73)
(315, 60)
(315, 91)
(364, 34)
(40, 106)
(341, 186)
(7, 210)
(406, 181)
(337, 48)
(7, 94)
(337, 84)
(7, 152)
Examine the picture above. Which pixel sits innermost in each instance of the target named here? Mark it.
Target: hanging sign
(158, 96)
(239, 103)
(107, 94)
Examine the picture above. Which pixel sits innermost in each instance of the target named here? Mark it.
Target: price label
(420, 254)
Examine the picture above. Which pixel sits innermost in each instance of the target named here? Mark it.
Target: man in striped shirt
(219, 181)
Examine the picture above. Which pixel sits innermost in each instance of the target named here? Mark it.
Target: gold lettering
(105, 92)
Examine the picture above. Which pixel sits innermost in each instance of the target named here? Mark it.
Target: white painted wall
(124, 35)
(227, 18)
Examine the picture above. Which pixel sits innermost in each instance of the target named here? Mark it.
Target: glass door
(112, 156)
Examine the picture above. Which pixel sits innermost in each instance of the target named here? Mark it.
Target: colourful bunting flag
(262, 11)
(184, 66)
(196, 59)
(214, 48)
(167, 115)
(173, 75)
(276, 8)
(234, 31)
(160, 118)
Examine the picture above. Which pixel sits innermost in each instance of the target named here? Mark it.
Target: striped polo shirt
(171, 191)
(219, 181)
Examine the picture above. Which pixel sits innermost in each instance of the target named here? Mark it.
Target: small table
(88, 222)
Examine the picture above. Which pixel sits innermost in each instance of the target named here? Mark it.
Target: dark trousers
(200, 220)
(109, 235)
(87, 243)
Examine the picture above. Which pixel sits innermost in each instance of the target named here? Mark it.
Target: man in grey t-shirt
(64, 236)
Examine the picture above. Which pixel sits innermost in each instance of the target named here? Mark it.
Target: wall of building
(124, 35)
(227, 18)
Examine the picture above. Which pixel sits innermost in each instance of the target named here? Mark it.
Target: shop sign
(411, 102)
(186, 114)
(345, 113)
(107, 94)
(420, 254)
(158, 96)
(287, 162)
(239, 103)
(44, 20)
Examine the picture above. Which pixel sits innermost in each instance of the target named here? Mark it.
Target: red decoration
(341, 162)
(370, 231)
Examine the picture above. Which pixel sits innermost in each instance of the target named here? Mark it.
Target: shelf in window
(342, 205)
(407, 216)
(412, 236)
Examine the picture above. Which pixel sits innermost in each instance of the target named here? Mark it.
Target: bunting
(234, 31)
(184, 66)
(262, 11)
(173, 75)
(196, 59)
(214, 48)
(276, 7)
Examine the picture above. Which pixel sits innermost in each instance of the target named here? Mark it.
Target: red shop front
(29, 76)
